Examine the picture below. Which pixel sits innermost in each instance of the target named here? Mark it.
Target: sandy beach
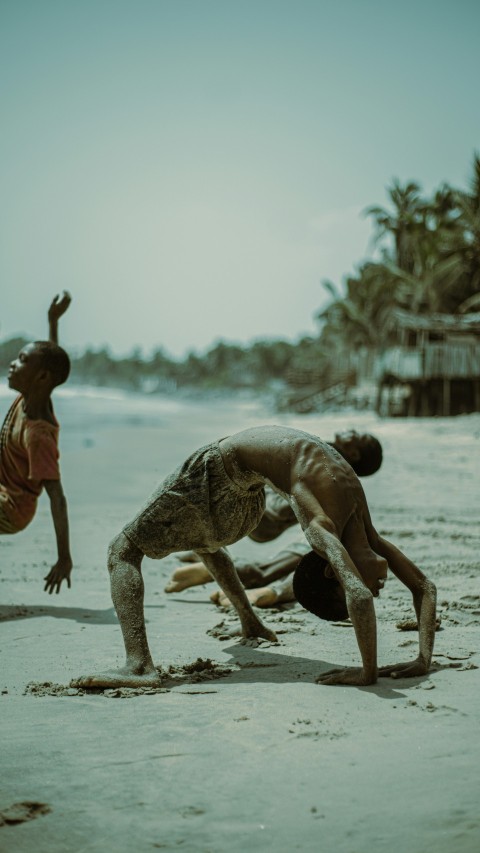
(241, 750)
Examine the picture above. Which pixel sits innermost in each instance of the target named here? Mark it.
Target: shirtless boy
(217, 496)
(29, 443)
(269, 583)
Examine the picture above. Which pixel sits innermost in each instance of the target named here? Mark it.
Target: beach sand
(242, 750)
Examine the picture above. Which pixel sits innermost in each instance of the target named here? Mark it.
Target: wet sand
(240, 750)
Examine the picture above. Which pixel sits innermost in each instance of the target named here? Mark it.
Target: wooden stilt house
(432, 366)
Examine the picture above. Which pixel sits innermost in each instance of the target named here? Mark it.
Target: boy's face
(351, 443)
(26, 368)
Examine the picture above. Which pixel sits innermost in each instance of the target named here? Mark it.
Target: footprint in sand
(315, 733)
(21, 812)
(430, 707)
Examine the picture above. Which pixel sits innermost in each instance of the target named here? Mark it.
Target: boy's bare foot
(186, 576)
(118, 678)
(263, 596)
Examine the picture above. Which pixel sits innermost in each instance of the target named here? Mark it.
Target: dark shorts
(197, 507)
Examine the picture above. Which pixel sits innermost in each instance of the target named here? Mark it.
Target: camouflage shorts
(198, 507)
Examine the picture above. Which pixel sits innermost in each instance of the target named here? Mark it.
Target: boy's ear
(352, 451)
(44, 376)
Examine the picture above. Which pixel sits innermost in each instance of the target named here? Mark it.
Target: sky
(192, 170)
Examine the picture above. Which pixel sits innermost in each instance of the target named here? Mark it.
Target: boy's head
(39, 363)
(361, 450)
(316, 591)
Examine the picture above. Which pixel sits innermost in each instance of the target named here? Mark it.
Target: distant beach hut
(432, 367)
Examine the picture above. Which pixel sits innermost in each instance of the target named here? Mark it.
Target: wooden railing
(453, 361)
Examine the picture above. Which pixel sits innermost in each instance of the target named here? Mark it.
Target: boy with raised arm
(29, 443)
(217, 496)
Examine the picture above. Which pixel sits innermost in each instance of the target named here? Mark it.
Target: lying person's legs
(252, 573)
(277, 593)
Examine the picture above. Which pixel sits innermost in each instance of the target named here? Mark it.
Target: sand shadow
(9, 612)
(257, 666)
(78, 614)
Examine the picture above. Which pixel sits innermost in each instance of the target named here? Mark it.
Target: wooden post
(476, 395)
(446, 396)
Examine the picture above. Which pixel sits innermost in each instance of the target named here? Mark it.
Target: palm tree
(465, 246)
(434, 266)
(402, 223)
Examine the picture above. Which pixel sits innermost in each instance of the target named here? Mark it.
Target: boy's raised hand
(59, 305)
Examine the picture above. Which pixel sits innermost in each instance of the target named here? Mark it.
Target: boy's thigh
(6, 526)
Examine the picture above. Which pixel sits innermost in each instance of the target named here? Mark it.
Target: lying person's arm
(62, 568)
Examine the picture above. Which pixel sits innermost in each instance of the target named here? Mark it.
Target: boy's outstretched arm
(322, 535)
(57, 308)
(62, 568)
(424, 595)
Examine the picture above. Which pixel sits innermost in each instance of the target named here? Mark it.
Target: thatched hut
(432, 367)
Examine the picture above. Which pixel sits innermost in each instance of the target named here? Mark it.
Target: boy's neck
(37, 405)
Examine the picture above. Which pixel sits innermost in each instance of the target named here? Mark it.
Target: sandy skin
(124, 677)
(127, 590)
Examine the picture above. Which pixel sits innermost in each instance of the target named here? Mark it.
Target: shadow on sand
(257, 666)
(78, 614)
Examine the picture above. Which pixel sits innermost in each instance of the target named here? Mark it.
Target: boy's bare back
(309, 472)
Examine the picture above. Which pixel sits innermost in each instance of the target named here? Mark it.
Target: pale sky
(191, 170)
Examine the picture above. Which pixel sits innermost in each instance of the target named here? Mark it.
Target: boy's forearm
(424, 595)
(59, 510)
(359, 599)
(425, 608)
(53, 330)
(362, 616)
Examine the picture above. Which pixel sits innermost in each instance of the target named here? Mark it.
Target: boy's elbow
(430, 590)
(363, 598)
(55, 491)
(322, 533)
(360, 602)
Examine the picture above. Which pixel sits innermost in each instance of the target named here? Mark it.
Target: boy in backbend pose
(217, 496)
(29, 443)
(269, 583)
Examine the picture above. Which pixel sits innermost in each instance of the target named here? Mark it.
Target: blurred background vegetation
(427, 260)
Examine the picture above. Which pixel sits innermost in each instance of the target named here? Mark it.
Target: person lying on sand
(217, 496)
(267, 583)
(362, 451)
(29, 443)
(278, 516)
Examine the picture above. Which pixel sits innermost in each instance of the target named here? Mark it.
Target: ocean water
(90, 415)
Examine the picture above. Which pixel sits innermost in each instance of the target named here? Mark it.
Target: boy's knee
(250, 575)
